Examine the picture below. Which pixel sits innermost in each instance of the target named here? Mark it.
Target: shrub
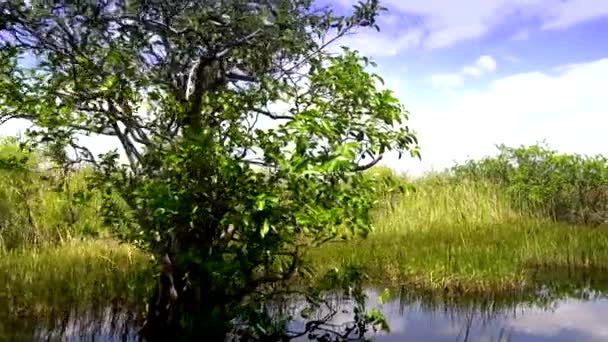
(567, 187)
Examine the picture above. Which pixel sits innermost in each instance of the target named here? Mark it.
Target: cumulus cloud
(566, 107)
(484, 65)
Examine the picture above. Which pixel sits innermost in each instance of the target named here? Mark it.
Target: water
(101, 324)
(579, 318)
(563, 320)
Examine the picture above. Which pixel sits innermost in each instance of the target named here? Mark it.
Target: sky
(477, 73)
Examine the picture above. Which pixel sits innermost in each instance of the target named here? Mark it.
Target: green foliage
(235, 205)
(40, 205)
(565, 187)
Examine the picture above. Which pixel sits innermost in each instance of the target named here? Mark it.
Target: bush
(567, 187)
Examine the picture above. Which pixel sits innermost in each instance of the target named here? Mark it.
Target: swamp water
(582, 318)
(568, 312)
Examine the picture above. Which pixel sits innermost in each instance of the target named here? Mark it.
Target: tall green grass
(458, 237)
(56, 253)
(41, 206)
(438, 201)
(75, 285)
(75, 274)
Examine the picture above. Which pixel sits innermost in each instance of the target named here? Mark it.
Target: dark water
(581, 318)
(107, 324)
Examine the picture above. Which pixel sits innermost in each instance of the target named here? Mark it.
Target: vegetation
(447, 237)
(487, 226)
(56, 256)
(43, 206)
(74, 276)
(238, 215)
(230, 209)
(566, 187)
(70, 288)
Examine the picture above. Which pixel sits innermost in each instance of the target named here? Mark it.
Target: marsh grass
(462, 238)
(75, 276)
(440, 201)
(38, 209)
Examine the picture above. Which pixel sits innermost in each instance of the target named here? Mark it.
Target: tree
(230, 204)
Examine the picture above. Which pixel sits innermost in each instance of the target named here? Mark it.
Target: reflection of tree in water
(119, 323)
(332, 315)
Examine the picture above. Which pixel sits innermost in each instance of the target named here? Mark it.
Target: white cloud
(471, 71)
(484, 65)
(446, 22)
(446, 36)
(570, 13)
(382, 44)
(567, 108)
(585, 319)
(446, 80)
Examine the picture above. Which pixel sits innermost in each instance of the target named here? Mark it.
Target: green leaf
(261, 202)
(377, 319)
(384, 297)
(265, 229)
(109, 83)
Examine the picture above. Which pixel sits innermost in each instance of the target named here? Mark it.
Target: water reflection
(562, 313)
(93, 324)
(565, 320)
(520, 318)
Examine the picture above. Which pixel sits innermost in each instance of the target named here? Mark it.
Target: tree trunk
(183, 315)
(160, 321)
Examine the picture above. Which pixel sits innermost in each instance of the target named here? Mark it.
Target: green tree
(226, 187)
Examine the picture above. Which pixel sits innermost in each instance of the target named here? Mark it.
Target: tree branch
(369, 165)
(272, 116)
(6, 117)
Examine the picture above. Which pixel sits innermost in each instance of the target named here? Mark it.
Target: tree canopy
(244, 124)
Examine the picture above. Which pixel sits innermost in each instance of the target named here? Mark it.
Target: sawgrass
(462, 238)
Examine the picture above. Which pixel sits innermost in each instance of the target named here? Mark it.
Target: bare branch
(130, 150)
(368, 165)
(5, 117)
(272, 116)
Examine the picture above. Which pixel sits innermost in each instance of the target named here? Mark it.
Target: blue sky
(475, 73)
